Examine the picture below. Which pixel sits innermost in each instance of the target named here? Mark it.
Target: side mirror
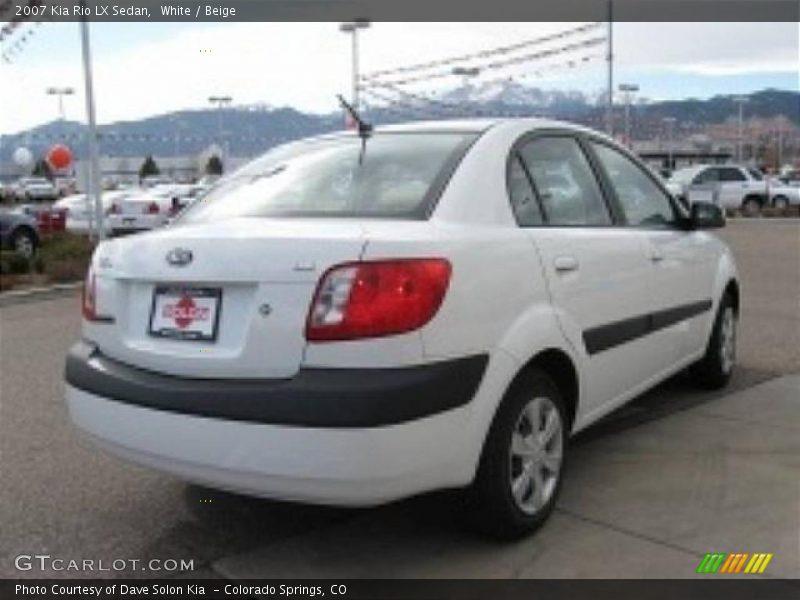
(705, 215)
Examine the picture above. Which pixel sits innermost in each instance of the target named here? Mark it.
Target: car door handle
(564, 264)
(656, 255)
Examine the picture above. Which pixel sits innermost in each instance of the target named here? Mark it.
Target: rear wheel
(519, 475)
(781, 202)
(751, 206)
(714, 370)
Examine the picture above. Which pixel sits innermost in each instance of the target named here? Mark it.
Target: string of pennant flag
(500, 50)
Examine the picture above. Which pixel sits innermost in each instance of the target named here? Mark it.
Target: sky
(153, 68)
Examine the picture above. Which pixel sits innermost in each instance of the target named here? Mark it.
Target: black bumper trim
(313, 398)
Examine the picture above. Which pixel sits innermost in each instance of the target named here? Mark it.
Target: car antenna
(364, 129)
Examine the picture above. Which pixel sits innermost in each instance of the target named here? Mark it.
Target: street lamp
(351, 28)
(628, 89)
(466, 73)
(60, 92)
(670, 123)
(220, 102)
(741, 101)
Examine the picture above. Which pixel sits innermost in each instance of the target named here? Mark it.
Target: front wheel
(519, 475)
(714, 370)
(24, 243)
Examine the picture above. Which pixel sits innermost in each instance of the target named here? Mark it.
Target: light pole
(670, 123)
(60, 92)
(628, 90)
(610, 71)
(741, 101)
(220, 102)
(93, 189)
(352, 28)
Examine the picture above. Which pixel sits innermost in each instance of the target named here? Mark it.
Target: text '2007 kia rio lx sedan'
(360, 317)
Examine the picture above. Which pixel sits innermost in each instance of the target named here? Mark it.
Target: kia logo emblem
(179, 257)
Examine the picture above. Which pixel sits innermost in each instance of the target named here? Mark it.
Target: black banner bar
(712, 587)
(399, 10)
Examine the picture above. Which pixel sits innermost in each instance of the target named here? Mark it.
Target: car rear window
(390, 175)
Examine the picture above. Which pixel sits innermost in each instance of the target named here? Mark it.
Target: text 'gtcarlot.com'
(45, 562)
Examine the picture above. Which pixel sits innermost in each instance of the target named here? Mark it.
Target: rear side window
(392, 175)
(642, 201)
(731, 174)
(523, 200)
(565, 183)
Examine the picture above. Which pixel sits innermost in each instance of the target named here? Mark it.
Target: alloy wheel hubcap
(536, 455)
(728, 340)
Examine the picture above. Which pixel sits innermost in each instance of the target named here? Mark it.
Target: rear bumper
(334, 464)
(342, 467)
(326, 398)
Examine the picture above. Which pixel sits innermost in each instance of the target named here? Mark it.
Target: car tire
(521, 467)
(24, 243)
(714, 370)
(780, 203)
(751, 207)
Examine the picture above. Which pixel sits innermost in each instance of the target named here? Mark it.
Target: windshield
(755, 174)
(395, 178)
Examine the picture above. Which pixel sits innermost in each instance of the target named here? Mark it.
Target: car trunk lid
(264, 270)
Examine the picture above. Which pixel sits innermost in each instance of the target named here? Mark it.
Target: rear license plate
(185, 313)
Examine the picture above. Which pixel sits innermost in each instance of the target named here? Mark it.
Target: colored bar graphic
(764, 564)
(715, 562)
(711, 562)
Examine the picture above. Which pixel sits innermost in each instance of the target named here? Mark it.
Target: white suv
(350, 321)
(729, 186)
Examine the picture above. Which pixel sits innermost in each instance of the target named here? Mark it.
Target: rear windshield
(394, 175)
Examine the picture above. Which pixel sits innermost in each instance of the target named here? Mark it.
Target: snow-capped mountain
(511, 93)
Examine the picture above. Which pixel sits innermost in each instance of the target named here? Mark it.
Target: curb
(41, 293)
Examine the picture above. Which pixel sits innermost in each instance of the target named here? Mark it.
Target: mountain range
(249, 130)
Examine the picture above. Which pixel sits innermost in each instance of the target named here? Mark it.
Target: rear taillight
(152, 208)
(89, 297)
(373, 299)
(91, 308)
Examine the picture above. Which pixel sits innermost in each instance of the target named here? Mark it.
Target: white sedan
(149, 209)
(80, 209)
(350, 321)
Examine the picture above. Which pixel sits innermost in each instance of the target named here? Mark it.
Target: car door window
(731, 174)
(523, 200)
(564, 181)
(643, 203)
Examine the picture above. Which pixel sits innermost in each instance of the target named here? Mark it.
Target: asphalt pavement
(649, 490)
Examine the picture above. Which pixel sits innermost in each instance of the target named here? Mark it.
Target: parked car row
(130, 210)
(733, 187)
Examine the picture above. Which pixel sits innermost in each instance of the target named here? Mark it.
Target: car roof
(480, 125)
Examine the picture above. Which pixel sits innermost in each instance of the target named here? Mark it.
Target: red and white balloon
(59, 157)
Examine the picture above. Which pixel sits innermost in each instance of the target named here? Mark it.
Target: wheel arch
(732, 289)
(25, 228)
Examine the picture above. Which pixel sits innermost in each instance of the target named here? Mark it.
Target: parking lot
(648, 492)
